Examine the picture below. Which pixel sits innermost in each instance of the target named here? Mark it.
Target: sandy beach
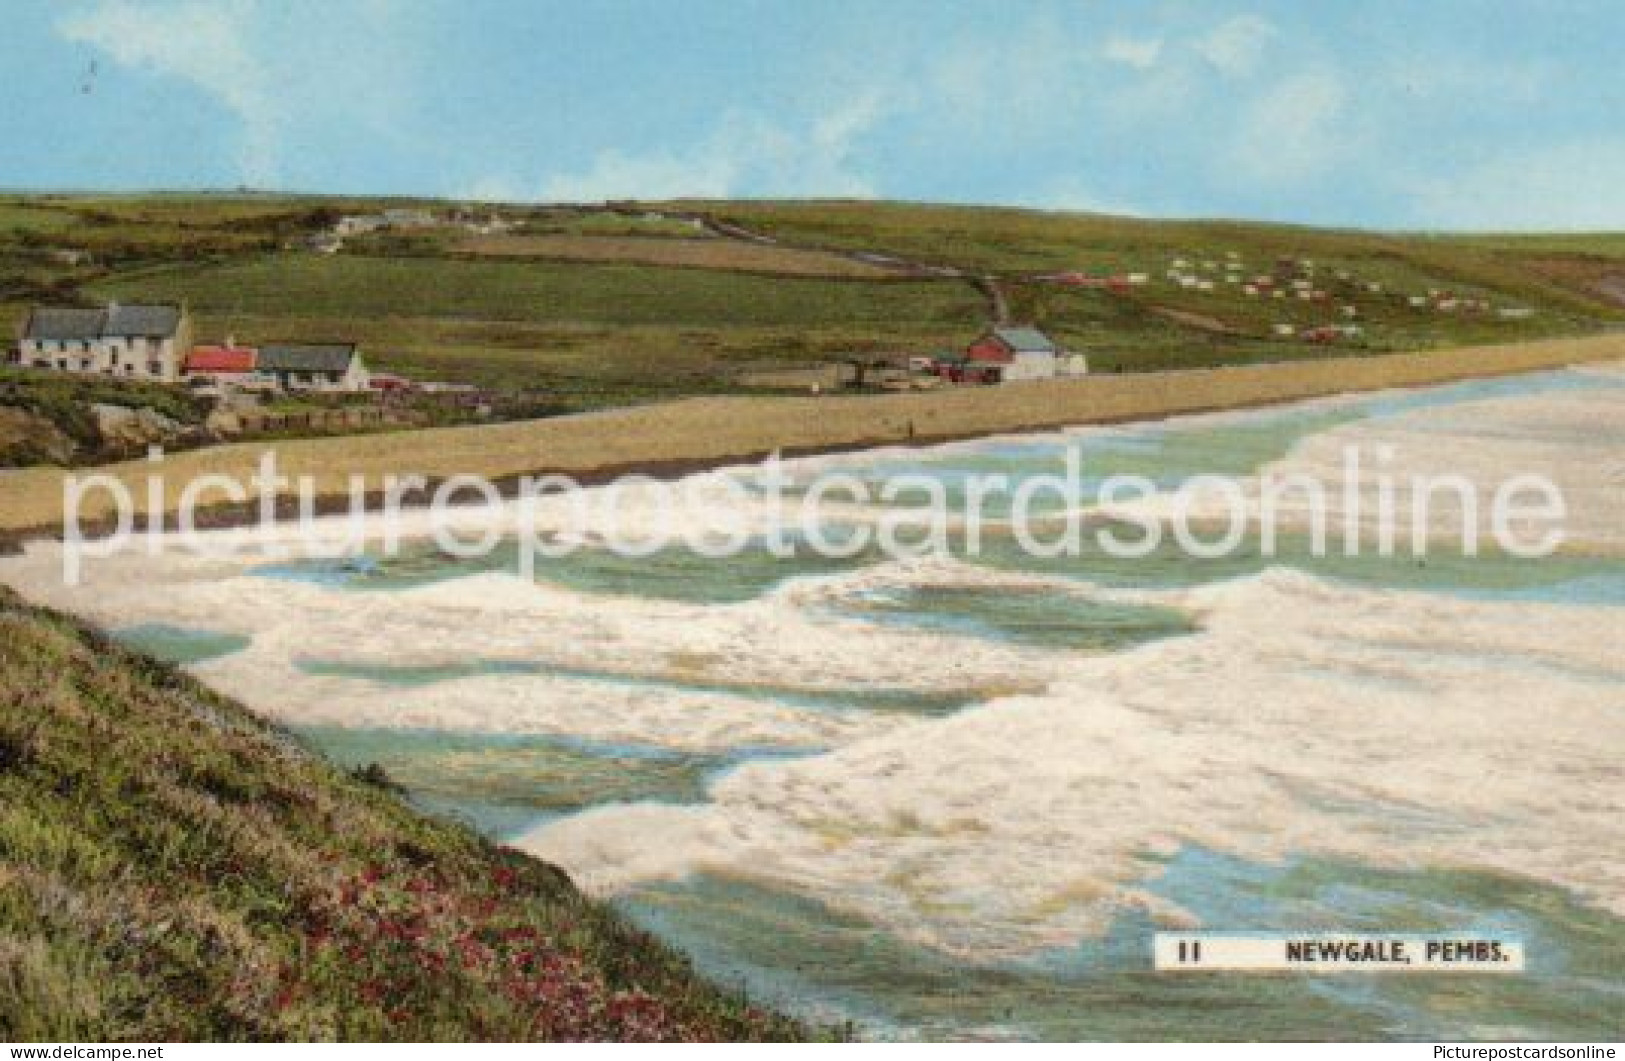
(693, 433)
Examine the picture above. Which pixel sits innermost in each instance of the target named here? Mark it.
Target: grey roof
(53, 322)
(114, 322)
(1026, 340)
(306, 357)
(150, 321)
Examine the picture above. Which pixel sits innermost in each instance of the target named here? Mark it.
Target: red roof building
(222, 359)
(989, 351)
(1002, 345)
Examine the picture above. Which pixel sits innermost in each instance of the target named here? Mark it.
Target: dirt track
(707, 431)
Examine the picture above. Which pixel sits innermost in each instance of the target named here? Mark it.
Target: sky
(1381, 114)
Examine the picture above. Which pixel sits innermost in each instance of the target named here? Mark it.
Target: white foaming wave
(1397, 728)
(1391, 728)
(815, 591)
(748, 658)
(640, 512)
(1574, 439)
(1608, 370)
(653, 715)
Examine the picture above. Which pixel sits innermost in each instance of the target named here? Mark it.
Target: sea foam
(1392, 727)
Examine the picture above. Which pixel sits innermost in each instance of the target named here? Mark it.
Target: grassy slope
(704, 308)
(688, 252)
(587, 329)
(1555, 274)
(594, 335)
(171, 868)
(58, 410)
(1009, 240)
(541, 292)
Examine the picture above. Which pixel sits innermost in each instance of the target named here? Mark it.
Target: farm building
(314, 366)
(1016, 354)
(138, 341)
(229, 364)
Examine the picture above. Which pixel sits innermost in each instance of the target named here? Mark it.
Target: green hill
(604, 305)
(173, 869)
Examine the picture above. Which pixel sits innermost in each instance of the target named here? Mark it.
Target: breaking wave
(990, 760)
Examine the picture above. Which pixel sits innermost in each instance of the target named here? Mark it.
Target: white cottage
(148, 342)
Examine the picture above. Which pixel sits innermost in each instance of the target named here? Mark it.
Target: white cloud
(1296, 130)
(1142, 54)
(1572, 186)
(1235, 46)
(743, 155)
(285, 83)
(204, 43)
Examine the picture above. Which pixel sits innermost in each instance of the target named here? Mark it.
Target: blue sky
(1381, 113)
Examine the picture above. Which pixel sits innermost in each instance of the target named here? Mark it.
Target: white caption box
(1336, 952)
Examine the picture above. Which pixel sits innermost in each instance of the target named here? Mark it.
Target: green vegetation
(542, 292)
(1599, 244)
(597, 334)
(634, 302)
(1008, 240)
(1015, 244)
(604, 223)
(48, 417)
(172, 869)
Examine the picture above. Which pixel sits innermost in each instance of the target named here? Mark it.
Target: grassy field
(1590, 244)
(176, 870)
(1009, 240)
(602, 333)
(541, 292)
(544, 221)
(1015, 243)
(694, 252)
(1137, 332)
(611, 306)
